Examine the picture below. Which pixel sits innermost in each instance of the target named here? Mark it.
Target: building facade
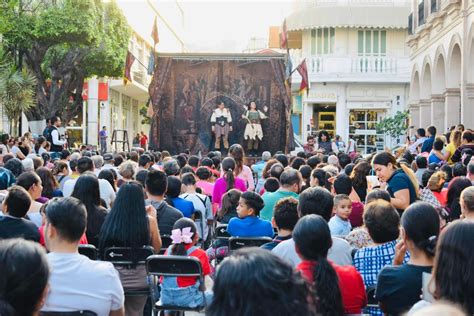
(441, 42)
(358, 67)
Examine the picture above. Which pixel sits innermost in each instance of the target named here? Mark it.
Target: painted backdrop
(186, 89)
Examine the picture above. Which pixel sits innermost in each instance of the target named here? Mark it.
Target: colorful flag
(151, 62)
(303, 71)
(127, 76)
(284, 36)
(154, 33)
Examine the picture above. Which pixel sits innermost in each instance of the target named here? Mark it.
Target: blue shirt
(185, 207)
(339, 227)
(250, 226)
(432, 158)
(428, 144)
(399, 181)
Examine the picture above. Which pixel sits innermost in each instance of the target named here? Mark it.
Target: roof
(312, 16)
(223, 56)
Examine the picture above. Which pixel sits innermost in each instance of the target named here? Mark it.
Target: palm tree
(17, 91)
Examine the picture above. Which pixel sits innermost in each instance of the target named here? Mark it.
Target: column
(342, 115)
(467, 110)
(425, 113)
(437, 112)
(452, 108)
(93, 112)
(415, 115)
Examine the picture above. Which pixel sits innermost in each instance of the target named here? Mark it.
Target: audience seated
(130, 224)
(172, 198)
(338, 289)
(155, 187)
(84, 164)
(285, 216)
(12, 224)
(249, 224)
(399, 286)
(253, 281)
(291, 183)
(320, 202)
(31, 182)
(77, 283)
(23, 277)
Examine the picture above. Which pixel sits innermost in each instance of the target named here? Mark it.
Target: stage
(186, 89)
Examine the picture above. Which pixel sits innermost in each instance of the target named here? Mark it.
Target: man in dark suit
(15, 207)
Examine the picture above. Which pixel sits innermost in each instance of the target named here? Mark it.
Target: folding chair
(221, 232)
(244, 242)
(124, 257)
(75, 313)
(175, 266)
(165, 243)
(90, 251)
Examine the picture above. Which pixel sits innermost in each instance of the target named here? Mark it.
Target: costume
(253, 130)
(221, 121)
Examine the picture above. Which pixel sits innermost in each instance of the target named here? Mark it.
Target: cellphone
(427, 285)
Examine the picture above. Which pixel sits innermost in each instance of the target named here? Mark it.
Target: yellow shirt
(451, 149)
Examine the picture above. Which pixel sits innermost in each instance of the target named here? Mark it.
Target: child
(230, 201)
(271, 184)
(249, 224)
(185, 291)
(227, 181)
(204, 174)
(285, 216)
(339, 224)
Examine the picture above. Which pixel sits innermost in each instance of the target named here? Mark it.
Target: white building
(120, 110)
(442, 63)
(358, 66)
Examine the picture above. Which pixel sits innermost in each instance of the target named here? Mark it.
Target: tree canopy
(64, 42)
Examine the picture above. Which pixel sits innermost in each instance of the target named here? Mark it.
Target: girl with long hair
(399, 180)
(242, 171)
(454, 143)
(336, 290)
(230, 201)
(227, 181)
(130, 224)
(455, 187)
(86, 189)
(399, 286)
(40, 145)
(50, 184)
(31, 182)
(359, 178)
(185, 291)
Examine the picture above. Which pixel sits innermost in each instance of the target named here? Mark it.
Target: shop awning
(312, 16)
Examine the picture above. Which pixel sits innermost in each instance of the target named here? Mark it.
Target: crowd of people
(385, 233)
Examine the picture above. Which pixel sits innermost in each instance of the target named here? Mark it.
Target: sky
(208, 25)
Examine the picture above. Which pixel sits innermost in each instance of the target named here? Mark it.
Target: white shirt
(339, 253)
(77, 283)
(413, 148)
(56, 139)
(41, 151)
(107, 193)
(202, 203)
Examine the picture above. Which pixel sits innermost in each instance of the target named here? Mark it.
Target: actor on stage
(221, 121)
(253, 130)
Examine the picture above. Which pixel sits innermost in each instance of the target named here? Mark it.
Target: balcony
(356, 69)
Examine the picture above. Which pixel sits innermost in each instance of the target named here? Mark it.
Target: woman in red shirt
(339, 290)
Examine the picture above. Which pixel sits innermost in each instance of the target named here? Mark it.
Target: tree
(64, 42)
(16, 91)
(394, 126)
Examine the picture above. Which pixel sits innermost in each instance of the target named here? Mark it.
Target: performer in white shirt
(221, 121)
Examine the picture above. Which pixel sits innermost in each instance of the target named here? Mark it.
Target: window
(372, 43)
(322, 41)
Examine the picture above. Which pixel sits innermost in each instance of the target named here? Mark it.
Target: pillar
(415, 116)
(467, 110)
(452, 110)
(425, 113)
(93, 112)
(437, 112)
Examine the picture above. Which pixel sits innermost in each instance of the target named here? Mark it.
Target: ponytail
(429, 245)
(412, 177)
(326, 289)
(229, 180)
